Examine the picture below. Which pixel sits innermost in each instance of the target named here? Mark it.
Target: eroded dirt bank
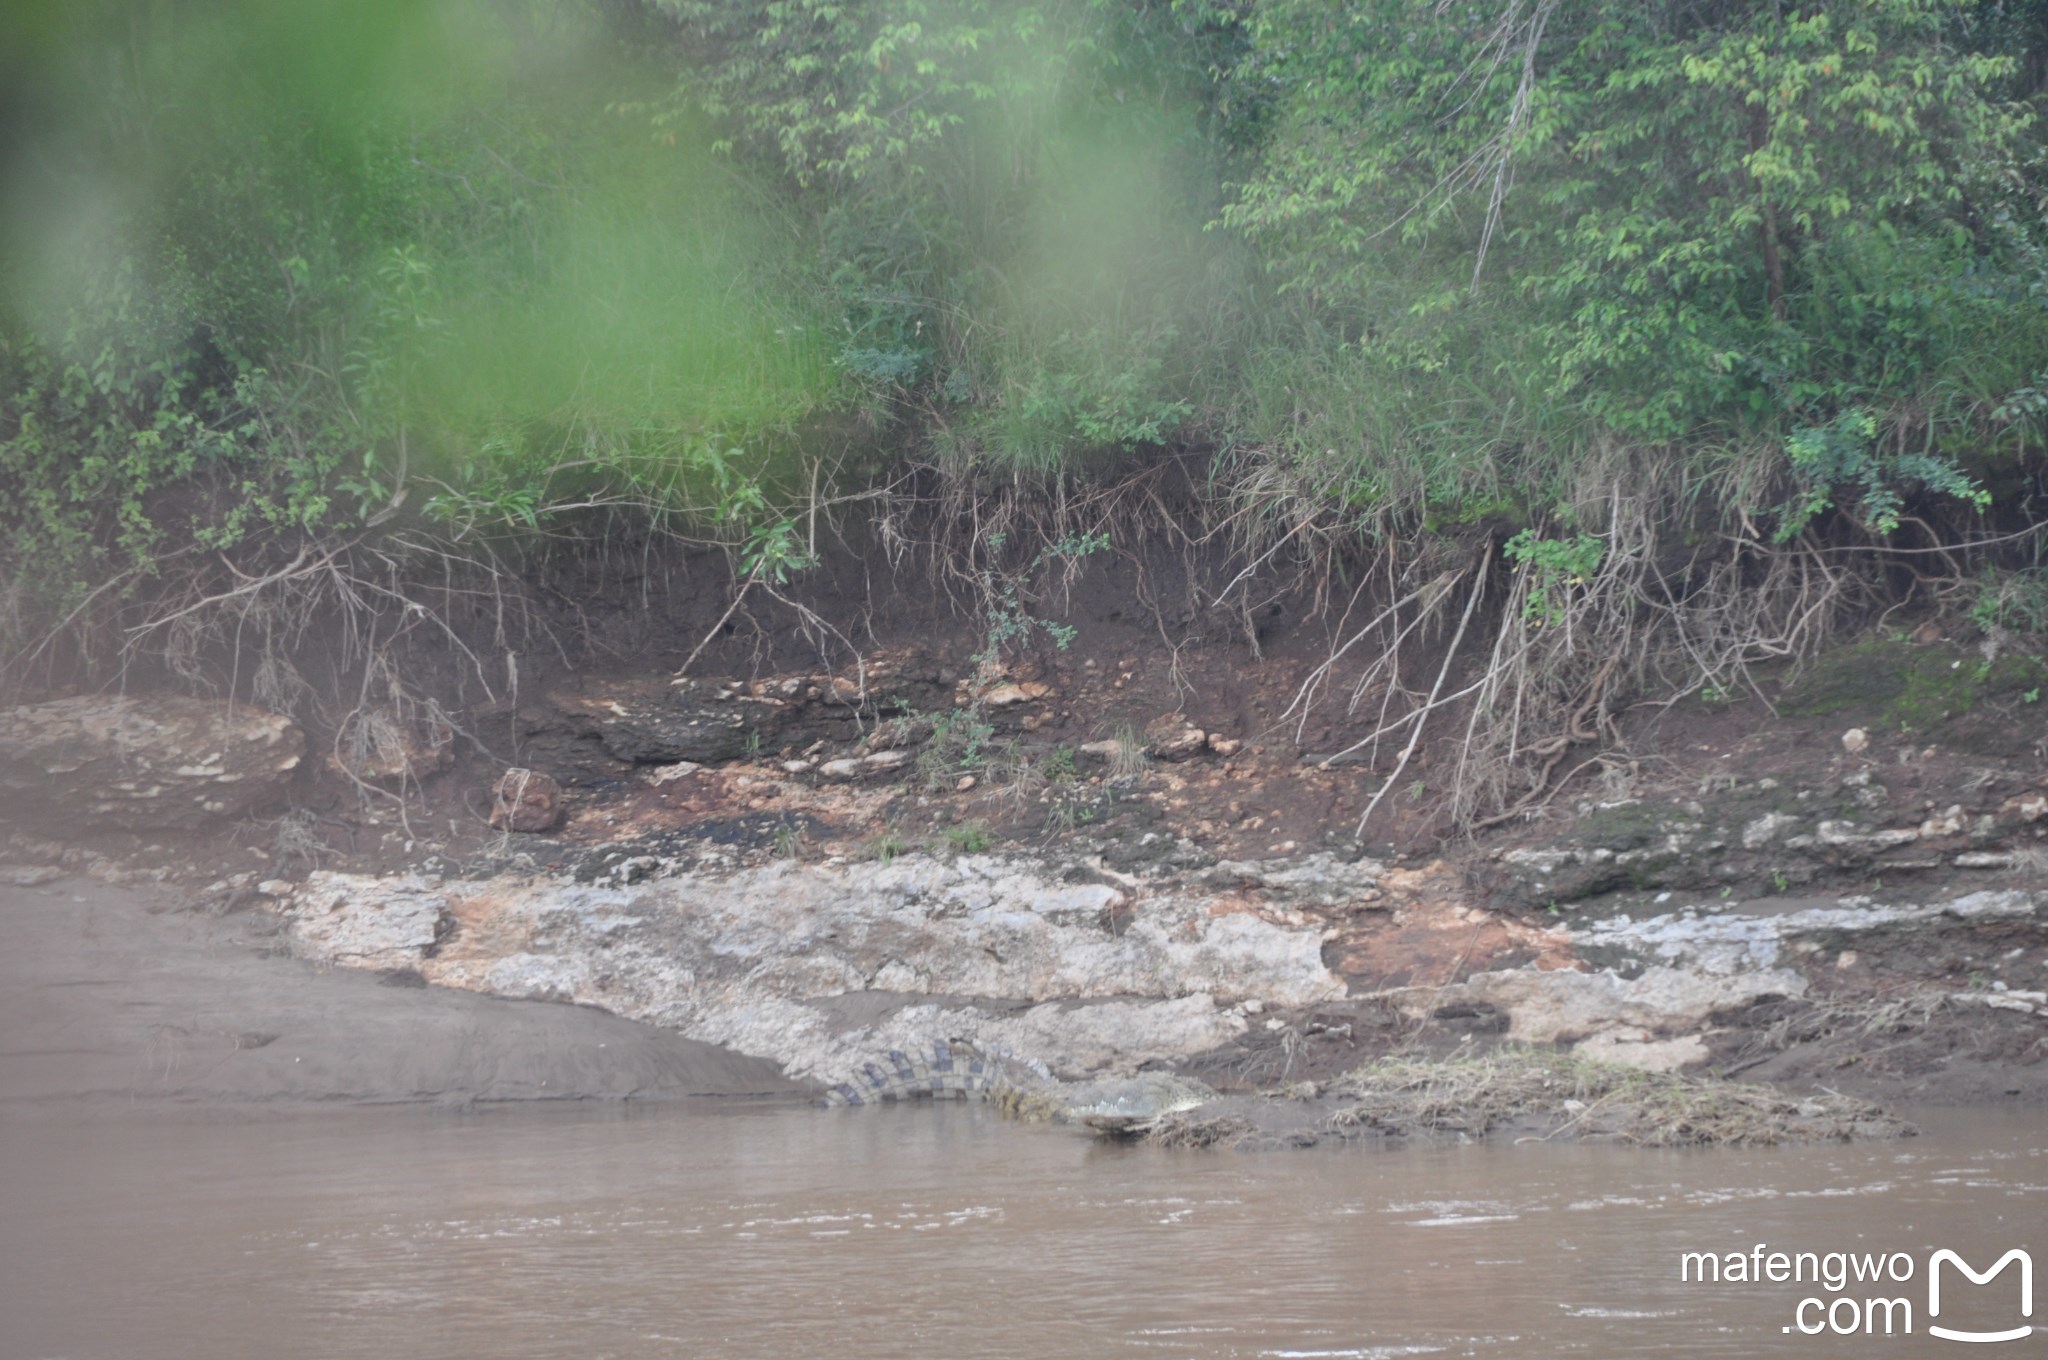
(1103, 859)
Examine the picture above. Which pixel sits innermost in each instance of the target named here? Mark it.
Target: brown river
(773, 1230)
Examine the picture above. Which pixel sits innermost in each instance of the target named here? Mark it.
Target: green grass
(969, 838)
(1560, 1096)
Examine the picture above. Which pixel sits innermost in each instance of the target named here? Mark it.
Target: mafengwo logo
(2013, 1257)
(1873, 1293)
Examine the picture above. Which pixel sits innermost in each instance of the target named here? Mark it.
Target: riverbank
(1842, 887)
(115, 1000)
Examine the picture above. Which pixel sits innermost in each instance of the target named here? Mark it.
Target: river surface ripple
(942, 1232)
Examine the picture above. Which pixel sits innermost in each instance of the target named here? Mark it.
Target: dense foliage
(482, 265)
(1708, 225)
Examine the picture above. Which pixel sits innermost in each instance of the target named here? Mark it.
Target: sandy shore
(113, 996)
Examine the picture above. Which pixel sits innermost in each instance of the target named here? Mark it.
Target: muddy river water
(774, 1230)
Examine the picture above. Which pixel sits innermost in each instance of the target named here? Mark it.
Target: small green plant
(789, 841)
(969, 838)
(1071, 804)
(1555, 565)
(1846, 455)
(884, 848)
(2032, 696)
(2014, 601)
(773, 550)
(1009, 623)
(959, 745)
(1779, 881)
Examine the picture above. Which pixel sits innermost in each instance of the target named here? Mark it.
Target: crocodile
(1020, 1088)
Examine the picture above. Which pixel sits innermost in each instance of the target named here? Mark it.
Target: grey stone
(1766, 829)
(998, 950)
(368, 922)
(29, 876)
(1659, 979)
(1847, 835)
(1320, 878)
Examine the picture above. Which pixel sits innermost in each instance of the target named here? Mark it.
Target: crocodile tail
(947, 1071)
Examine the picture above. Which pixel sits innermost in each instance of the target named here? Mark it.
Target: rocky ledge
(822, 966)
(1093, 972)
(815, 869)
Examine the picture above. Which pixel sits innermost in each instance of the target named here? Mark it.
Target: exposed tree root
(1509, 671)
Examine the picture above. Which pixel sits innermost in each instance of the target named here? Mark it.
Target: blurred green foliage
(283, 269)
(1009, 201)
(275, 270)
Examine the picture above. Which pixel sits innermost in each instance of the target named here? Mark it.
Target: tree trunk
(1767, 225)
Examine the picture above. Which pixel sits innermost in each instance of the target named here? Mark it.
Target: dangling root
(1421, 715)
(1569, 653)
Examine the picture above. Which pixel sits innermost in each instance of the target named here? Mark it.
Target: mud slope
(107, 995)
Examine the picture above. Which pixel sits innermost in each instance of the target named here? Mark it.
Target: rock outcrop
(1645, 990)
(1094, 972)
(819, 966)
(123, 763)
(1750, 834)
(586, 735)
